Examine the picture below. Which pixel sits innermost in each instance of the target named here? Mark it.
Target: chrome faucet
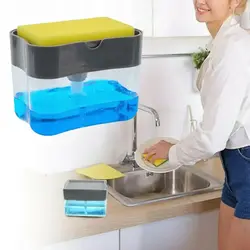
(130, 158)
(151, 111)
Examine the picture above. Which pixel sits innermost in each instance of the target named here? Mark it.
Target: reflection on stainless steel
(129, 158)
(140, 187)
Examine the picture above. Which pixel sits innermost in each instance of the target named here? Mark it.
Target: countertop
(45, 220)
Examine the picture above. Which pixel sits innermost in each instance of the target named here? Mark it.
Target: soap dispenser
(75, 74)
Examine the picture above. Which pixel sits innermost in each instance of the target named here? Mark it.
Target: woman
(225, 94)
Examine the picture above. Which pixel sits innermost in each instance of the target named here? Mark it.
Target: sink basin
(139, 186)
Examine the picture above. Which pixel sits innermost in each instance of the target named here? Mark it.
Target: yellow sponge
(82, 30)
(100, 172)
(157, 162)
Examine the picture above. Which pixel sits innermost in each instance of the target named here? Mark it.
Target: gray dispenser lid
(50, 62)
(85, 190)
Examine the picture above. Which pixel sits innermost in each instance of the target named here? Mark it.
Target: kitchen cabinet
(176, 18)
(106, 241)
(186, 232)
(128, 11)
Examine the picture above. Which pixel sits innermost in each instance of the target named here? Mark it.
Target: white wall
(166, 85)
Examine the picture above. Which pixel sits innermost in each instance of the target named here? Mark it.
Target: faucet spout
(129, 159)
(151, 111)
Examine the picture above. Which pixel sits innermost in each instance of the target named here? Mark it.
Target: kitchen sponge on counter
(100, 172)
(82, 30)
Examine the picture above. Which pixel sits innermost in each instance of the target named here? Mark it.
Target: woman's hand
(159, 150)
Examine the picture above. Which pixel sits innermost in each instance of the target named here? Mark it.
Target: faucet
(129, 158)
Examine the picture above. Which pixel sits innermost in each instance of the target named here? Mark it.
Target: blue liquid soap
(57, 110)
(85, 208)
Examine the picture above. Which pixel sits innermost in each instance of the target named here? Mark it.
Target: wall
(166, 85)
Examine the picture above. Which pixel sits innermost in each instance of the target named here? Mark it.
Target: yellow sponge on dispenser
(82, 30)
(157, 162)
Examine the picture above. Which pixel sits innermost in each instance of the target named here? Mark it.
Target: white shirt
(225, 96)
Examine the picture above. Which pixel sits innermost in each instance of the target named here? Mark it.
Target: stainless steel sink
(140, 187)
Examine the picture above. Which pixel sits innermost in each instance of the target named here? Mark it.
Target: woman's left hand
(159, 150)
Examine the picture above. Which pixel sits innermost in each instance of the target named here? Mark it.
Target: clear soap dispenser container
(73, 84)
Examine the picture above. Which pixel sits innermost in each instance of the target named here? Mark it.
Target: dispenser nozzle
(77, 82)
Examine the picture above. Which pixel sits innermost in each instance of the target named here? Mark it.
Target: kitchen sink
(139, 187)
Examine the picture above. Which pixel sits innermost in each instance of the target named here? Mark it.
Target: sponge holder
(49, 82)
